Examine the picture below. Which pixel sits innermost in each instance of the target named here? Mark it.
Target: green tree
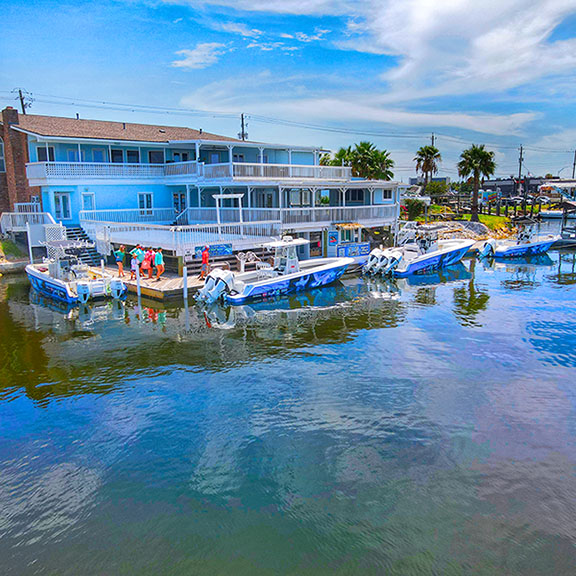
(436, 189)
(365, 159)
(477, 162)
(414, 208)
(427, 159)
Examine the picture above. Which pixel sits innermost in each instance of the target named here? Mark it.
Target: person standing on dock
(148, 262)
(139, 253)
(134, 264)
(119, 256)
(205, 262)
(159, 263)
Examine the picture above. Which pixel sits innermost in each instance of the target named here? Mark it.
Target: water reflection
(381, 435)
(470, 299)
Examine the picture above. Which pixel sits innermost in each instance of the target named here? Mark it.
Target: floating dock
(170, 285)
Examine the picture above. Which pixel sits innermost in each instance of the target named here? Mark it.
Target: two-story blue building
(177, 187)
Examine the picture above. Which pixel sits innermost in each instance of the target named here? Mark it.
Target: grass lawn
(492, 222)
(10, 250)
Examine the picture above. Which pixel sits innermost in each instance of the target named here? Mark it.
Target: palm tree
(342, 158)
(478, 162)
(365, 159)
(427, 160)
(384, 165)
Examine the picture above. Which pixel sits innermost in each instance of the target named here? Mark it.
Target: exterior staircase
(89, 255)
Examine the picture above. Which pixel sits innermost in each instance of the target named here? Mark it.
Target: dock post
(29, 238)
(102, 267)
(138, 290)
(185, 283)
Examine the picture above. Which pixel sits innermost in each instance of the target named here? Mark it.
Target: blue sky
(495, 72)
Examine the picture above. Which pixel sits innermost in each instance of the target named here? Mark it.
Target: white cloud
(266, 95)
(270, 46)
(239, 28)
(444, 47)
(205, 54)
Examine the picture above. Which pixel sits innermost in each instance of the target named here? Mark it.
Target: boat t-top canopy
(287, 241)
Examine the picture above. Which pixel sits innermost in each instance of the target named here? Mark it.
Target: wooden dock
(170, 285)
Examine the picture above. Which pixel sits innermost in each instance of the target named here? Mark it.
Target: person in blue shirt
(159, 263)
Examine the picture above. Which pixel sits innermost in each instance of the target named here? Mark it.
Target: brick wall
(13, 183)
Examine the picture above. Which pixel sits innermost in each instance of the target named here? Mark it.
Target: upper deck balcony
(58, 173)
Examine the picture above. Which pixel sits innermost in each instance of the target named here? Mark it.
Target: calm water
(416, 428)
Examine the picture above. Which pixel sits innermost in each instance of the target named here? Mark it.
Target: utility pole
(25, 98)
(433, 139)
(520, 161)
(574, 165)
(243, 134)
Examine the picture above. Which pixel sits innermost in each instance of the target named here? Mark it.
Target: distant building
(508, 186)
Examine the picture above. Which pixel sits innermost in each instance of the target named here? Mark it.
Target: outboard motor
(487, 249)
(372, 262)
(83, 290)
(218, 282)
(117, 288)
(394, 257)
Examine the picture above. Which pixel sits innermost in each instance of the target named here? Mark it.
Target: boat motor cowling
(83, 290)
(393, 259)
(117, 288)
(372, 262)
(218, 282)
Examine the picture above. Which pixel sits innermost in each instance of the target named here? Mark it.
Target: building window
(300, 197)
(117, 156)
(132, 156)
(88, 202)
(45, 154)
(356, 195)
(145, 201)
(180, 156)
(99, 155)
(238, 157)
(214, 158)
(2, 162)
(156, 156)
(387, 194)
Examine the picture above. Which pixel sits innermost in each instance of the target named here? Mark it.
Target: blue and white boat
(525, 244)
(420, 252)
(285, 274)
(63, 278)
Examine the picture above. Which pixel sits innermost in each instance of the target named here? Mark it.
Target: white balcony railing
(18, 221)
(197, 171)
(291, 217)
(132, 215)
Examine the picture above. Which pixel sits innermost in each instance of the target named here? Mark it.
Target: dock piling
(138, 289)
(185, 283)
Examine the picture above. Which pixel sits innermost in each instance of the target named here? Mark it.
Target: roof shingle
(56, 126)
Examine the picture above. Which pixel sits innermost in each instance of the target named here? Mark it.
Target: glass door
(179, 202)
(62, 206)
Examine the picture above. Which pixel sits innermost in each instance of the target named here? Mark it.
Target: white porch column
(315, 157)
(230, 161)
(110, 153)
(290, 162)
(48, 155)
(241, 217)
(218, 214)
(79, 153)
(343, 190)
(199, 196)
(197, 149)
(261, 158)
(187, 195)
(280, 193)
(249, 197)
